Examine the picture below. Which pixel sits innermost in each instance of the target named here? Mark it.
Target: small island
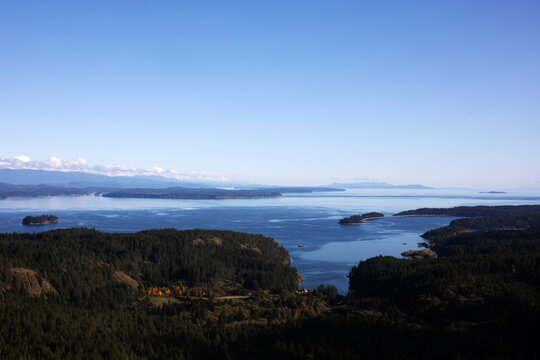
(359, 219)
(40, 220)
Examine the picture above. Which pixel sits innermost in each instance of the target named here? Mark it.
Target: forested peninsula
(359, 219)
(10, 191)
(216, 194)
(204, 294)
(199, 194)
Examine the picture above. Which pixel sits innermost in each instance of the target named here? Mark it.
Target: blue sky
(444, 93)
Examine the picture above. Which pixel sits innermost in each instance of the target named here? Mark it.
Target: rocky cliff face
(32, 282)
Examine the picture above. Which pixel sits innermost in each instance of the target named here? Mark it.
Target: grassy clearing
(159, 300)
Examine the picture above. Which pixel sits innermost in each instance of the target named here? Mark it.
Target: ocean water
(329, 250)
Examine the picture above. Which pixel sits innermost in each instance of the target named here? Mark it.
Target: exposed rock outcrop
(419, 254)
(32, 282)
(126, 279)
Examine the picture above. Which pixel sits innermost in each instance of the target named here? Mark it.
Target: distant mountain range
(82, 180)
(33, 183)
(378, 185)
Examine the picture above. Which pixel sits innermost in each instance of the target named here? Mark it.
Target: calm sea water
(329, 249)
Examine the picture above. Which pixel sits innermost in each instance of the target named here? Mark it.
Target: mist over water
(329, 250)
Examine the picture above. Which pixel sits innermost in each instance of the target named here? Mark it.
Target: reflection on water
(329, 249)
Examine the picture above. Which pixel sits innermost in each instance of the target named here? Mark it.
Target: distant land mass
(82, 179)
(76, 183)
(183, 193)
(293, 189)
(34, 183)
(475, 211)
(378, 185)
(10, 190)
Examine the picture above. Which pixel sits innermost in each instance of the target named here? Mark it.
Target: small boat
(300, 245)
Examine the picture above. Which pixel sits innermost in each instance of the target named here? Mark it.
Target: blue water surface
(328, 250)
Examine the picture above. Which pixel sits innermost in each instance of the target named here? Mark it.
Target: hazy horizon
(82, 166)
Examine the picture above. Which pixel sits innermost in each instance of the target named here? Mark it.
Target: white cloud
(22, 158)
(80, 164)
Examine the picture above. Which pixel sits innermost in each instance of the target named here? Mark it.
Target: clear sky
(443, 93)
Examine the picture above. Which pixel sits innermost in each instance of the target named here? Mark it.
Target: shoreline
(366, 220)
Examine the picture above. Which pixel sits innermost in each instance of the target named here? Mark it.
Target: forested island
(40, 220)
(199, 194)
(359, 219)
(216, 194)
(10, 190)
(204, 294)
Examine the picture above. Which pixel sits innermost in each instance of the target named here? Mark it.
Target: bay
(327, 250)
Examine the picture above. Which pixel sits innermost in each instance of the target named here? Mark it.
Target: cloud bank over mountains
(81, 165)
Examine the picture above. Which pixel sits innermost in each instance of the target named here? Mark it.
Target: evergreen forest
(206, 294)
